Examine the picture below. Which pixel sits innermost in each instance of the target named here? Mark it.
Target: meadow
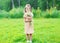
(46, 30)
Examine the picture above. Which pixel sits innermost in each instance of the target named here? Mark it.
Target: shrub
(59, 14)
(4, 14)
(34, 12)
(16, 13)
(52, 13)
(46, 14)
(37, 12)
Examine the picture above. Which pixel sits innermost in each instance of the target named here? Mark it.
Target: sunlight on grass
(46, 31)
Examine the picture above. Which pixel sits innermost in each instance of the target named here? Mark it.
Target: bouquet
(28, 18)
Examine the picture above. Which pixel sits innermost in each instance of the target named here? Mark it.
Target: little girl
(28, 15)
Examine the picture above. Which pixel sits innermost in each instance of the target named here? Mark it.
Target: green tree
(4, 4)
(12, 3)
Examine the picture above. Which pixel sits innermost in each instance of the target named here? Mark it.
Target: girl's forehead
(27, 5)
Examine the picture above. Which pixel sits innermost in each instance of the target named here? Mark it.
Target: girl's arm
(24, 17)
(30, 17)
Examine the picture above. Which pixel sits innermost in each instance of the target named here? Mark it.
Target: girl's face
(27, 8)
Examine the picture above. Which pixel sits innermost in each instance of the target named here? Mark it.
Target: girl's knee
(30, 34)
(27, 34)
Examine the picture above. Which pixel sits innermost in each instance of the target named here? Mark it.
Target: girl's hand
(29, 19)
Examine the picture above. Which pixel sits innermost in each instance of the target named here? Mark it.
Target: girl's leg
(27, 37)
(30, 38)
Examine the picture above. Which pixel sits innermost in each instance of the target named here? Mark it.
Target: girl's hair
(27, 5)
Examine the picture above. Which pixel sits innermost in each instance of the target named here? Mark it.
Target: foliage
(52, 13)
(16, 13)
(38, 13)
(7, 4)
(4, 14)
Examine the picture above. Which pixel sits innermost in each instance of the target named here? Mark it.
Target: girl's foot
(27, 41)
(30, 41)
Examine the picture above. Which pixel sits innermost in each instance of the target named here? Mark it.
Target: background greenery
(46, 21)
(40, 8)
(43, 4)
(38, 13)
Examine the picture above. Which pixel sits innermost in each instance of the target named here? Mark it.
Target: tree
(4, 4)
(18, 2)
(12, 3)
(42, 4)
(53, 3)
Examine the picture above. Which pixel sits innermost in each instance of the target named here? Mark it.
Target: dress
(29, 26)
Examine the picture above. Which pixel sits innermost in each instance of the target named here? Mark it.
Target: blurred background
(46, 21)
(40, 8)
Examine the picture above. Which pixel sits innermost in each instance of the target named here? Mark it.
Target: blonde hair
(28, 5)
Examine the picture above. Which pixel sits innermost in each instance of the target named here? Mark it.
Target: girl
(28, 15)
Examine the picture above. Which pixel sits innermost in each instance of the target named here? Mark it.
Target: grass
(46, 31)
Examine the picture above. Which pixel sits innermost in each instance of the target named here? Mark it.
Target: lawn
(46, 31)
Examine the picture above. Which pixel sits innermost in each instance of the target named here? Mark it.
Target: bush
(47, 15)
(59, 14)
(4, 14)
(16, 13)
(37, 12)
(34, 12)
(54, 13)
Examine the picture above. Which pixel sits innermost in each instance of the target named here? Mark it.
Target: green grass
(46, 31)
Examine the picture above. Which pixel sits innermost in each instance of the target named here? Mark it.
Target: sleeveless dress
(29, 27)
